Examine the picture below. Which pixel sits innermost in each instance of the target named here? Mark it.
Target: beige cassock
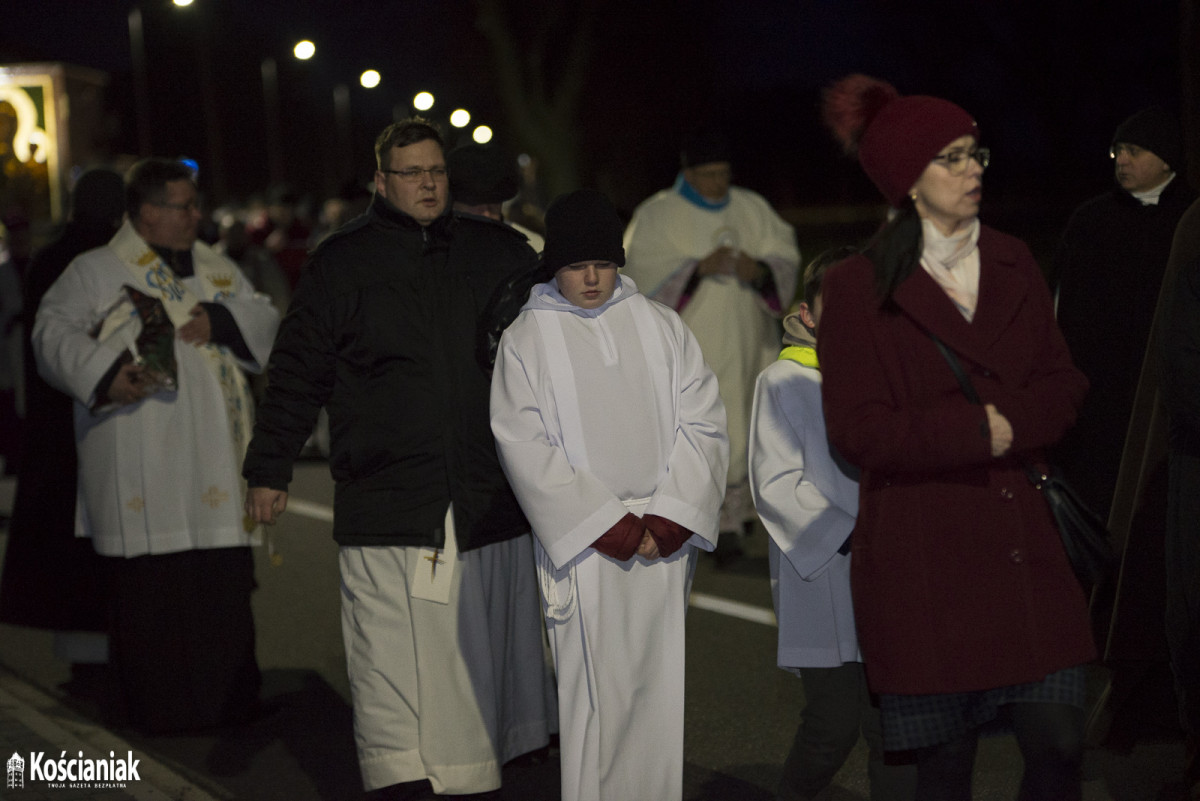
(737, 332)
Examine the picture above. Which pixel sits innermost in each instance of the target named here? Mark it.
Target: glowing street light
(460, 117)
(304, 50)
(183, 3)
(423, 101)
(482, 134)
(369, 79)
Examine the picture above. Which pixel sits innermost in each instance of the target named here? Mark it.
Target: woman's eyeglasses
(956, 162)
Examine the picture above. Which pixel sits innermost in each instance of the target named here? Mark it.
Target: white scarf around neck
(953, 261)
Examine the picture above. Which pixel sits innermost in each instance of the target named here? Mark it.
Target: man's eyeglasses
(410, 175)
(957, 161)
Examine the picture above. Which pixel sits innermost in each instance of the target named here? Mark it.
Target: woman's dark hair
(814, 273)
(896, 250)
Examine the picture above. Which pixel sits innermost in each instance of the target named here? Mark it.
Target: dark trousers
(181, 639)
(837, 708)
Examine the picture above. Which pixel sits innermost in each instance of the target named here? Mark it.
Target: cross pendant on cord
(433, 563)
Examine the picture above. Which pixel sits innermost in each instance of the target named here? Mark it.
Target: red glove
(668, 535)
(622, 540)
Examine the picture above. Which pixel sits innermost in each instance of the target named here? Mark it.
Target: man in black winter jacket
(440, 612)
(1110, 264)
(1109, 268)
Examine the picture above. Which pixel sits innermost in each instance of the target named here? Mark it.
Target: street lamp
(141, 81)
(270, 80)
(137, 42)
(482, 134)
(302, 50)
(345, 136)
(460, 117)
(423, 101)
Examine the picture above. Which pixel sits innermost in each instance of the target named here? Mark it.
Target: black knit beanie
(481, 174)
(582, 226)
(1156, 130)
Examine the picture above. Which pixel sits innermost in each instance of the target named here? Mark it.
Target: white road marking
(724, 606)
(316, 511)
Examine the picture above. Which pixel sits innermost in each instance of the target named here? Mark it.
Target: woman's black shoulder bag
(1084, 535)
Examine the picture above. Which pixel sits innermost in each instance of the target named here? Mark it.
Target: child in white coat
(807, 498)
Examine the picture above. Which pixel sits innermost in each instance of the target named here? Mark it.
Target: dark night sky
(1047, 80)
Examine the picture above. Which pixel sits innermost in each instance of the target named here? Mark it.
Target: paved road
(741, 710)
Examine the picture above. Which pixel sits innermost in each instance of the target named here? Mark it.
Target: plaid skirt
(917, 721)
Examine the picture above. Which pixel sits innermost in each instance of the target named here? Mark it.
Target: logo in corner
(16, 772)
(75, 772)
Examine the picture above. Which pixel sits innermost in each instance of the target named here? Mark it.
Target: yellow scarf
(801, 354)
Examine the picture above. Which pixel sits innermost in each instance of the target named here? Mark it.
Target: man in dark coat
(1110, 266)
(52, 580)
(440, 612)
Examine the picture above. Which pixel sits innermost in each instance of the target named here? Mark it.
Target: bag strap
(1035, 476)
(964, 382)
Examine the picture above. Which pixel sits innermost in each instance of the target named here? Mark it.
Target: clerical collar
(695, 198)
(1150, 196)
(180, 261)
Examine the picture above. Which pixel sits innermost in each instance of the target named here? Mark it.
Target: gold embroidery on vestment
(214, 497)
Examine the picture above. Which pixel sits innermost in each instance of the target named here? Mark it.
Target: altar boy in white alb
(612, 433)
(160, 490)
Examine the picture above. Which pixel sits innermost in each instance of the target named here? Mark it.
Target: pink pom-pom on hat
(894, 136)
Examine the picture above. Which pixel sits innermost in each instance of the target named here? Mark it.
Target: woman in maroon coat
(965, 603)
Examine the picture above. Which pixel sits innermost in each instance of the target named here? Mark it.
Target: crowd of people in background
(537, 433)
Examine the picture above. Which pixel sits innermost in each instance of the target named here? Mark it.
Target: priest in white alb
(720, 256)
(150, 335)
(611, 430)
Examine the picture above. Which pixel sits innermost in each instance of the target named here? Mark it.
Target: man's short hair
(146, 182)
(404, 133)
(814, 273)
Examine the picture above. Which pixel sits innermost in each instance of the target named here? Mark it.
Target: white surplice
(737, 332)
(162, 475)
(808, 502)
(599, 412)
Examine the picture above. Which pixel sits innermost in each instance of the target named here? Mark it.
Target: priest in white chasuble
(150, 335)
(611, 430)
(727, 262)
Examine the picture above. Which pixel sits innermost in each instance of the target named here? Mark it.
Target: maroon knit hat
(894, 137)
